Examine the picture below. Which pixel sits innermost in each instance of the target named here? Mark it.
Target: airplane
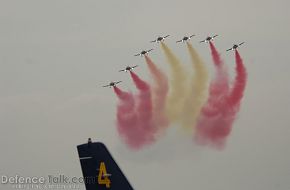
(208, 39)
(128, 68)
(185, 38)
(235, 46)
(108, 175)
(112, 84)
(160, 38)
(143, 52)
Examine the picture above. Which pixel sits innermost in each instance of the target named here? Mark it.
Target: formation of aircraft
(144, 52)
(160, 39)
(235, 46)
(208, 39)
(128, 68)
(112, 84)
(185, 38)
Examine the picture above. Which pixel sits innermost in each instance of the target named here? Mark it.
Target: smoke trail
(127, 119)
(213, 125)
(239, 85)
(144, 110)
(160, 91)
(197, 95)
(214, 129)
(215, 55)
(219, 86)
(176, 98)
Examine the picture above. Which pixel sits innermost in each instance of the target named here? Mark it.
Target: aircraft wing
(138, 54)
(214, 36)
(191, 36)
(230, 49)
(100, 171)
(149, 50)
(241, 43)
(118, 82)
(178, 41)
(106, 85)
(202, 41)
(122, 70)
(166, 36)
(134, 66)
(153, 41)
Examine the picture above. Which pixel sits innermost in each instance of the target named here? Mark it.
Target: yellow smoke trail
(160, 90)
(178, 84)
(198, 90)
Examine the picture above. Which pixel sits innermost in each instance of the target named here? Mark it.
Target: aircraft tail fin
(99, 169)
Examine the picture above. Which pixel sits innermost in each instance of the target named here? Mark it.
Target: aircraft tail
(99, 169)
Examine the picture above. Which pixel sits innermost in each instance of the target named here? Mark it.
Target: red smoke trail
(130, 127)
(160, 91)
(213, 125)
(214, 129)
(215, 55)
(239, 85)
(145, 123)
(127, 118)
(219, 86)
(140, 84)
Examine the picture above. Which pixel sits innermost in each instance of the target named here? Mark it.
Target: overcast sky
(55, 55)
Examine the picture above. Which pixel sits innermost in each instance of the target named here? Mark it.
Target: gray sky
(56, 54)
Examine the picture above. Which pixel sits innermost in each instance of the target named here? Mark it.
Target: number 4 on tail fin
(103, 177)
(99, 169)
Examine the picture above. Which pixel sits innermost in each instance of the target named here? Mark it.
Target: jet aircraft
(235, 46)
(208, 39)
(185, 38)
(128, 68)
(112, 84)
(144, 52)
(160, 38)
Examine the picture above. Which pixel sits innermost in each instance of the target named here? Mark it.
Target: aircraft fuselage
(185, 38)
(128, 68)
(160, 38)
(208, 38)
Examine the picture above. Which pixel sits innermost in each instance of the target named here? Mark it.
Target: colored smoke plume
(237, 91)
(160, 90)
(219, 86)
(178, 84)
(127, 119)
(213, 125)
(215, 55)
(144, 110)
(197, 95)
(215, 129)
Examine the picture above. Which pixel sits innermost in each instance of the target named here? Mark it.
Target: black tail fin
(100, 171)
